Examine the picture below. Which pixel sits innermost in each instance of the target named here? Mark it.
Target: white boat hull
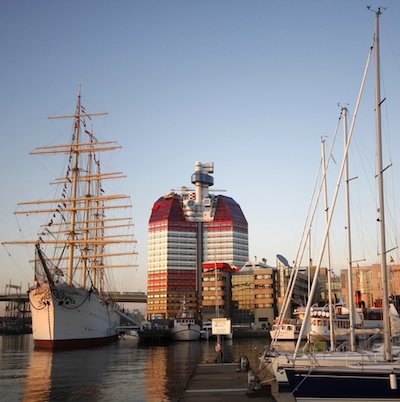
(183, 332)
(65, 316)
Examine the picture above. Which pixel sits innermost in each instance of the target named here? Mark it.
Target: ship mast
(88, 195)
(75, 174)
(381, 206)
(76, 230)
(98, 269)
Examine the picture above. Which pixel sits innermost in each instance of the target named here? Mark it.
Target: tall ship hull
(68, 317)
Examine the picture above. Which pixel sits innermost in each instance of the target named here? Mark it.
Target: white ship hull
(186, 332)
(71, 317)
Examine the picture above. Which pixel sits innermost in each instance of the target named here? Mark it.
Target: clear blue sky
(250, 85)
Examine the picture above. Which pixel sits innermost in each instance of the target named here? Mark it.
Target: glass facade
(253, 295)
(175, 250)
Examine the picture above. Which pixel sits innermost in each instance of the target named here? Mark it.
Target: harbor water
(123, 371)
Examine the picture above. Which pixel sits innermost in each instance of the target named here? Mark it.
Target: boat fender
(393, 381)
(244, 364)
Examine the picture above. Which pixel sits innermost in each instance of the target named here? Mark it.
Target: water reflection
(38, 380)
(65, 376)
(168, 369)
(155, 373)
(16, 343)
(182, 360)
(123, 371)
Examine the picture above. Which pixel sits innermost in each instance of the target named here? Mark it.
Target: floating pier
(214, 382)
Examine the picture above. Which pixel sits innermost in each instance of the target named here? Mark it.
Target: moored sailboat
(76, 245)
(362, 381)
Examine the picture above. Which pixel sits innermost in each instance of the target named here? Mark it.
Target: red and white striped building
(187, 228)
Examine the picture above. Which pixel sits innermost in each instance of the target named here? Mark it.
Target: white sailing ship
(76, 246)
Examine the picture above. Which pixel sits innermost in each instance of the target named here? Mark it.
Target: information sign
(221, 326)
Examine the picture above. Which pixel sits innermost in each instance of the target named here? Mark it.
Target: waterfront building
(186, 228)
(367, 284)
(217, 290)
(254, 294)
(323, 287)
(258, 291)
(301, 286)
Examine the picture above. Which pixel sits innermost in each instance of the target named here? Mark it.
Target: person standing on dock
(218, 349)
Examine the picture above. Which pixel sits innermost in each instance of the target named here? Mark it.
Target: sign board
(221, 326)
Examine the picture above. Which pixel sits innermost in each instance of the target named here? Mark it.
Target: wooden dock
(213, 382)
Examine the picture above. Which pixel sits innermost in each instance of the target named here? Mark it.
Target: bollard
(244, 364)
(393, 381)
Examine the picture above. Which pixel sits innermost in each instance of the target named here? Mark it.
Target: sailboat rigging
(76, 248)
(373, 381)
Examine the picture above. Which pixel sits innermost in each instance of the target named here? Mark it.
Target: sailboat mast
(309, 262)
(348, 238)
(75, 174)
(333, 203)
(381, 207)
(328, 250)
